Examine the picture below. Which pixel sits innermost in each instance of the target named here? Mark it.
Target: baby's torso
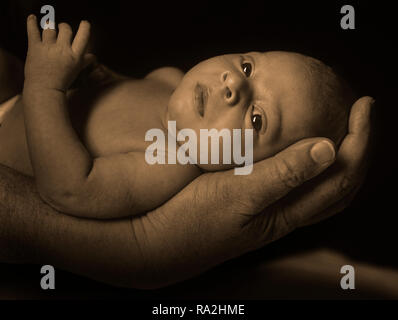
(114, 118)
(109, 116)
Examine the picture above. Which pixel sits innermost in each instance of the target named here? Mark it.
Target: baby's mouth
(200, 98)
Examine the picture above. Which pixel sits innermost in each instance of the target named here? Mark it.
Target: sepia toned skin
(273, 87)
(86, 147)
(218, 216)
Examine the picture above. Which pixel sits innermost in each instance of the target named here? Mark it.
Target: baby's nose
(232, 85)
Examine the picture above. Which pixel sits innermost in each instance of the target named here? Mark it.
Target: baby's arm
(67, 176)
(118, 186)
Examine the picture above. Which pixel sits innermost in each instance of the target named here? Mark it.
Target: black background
(135, 37)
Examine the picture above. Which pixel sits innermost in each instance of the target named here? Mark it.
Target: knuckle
(284, 171)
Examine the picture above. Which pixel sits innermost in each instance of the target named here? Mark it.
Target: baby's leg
(11, 75)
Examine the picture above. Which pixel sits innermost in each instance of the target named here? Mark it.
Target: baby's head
(283, 96)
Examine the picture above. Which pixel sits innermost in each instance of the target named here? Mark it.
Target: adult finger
(332, 210)
(274, 177)
(80, 42)
(64, 34)
(338, 206)
(345, 175)
(49, 36)
(32, 30)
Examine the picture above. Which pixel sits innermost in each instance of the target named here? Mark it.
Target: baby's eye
(247, 69)
(257, 122)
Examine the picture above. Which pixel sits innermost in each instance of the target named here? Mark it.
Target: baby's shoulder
(169, 75)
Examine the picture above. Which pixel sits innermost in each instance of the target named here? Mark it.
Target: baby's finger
(49, 36)
(64, 34)
(33, 30)
(80, 42)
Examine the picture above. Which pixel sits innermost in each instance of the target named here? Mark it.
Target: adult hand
(218, 216)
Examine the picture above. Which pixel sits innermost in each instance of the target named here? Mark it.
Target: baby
(85, 145)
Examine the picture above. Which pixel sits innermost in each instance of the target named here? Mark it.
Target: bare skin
(109, 137)
(217, 217)
(86, 147)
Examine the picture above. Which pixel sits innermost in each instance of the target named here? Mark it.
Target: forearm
(32, 232)
(108, 251)
(116, 252)
(58, 157)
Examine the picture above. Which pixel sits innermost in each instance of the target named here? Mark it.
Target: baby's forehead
(283, 68)
(278, 58)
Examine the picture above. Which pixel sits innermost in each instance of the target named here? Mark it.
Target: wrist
(34, 91)
(33, 87)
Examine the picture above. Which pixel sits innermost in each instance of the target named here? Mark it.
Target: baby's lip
(200, 98)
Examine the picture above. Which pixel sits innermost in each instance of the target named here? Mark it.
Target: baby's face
(267, 92)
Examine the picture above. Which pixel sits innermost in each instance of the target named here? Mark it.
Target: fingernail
(372, 101)
(323, 152)
(31, 16)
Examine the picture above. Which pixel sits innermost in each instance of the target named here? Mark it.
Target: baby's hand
(54, 62)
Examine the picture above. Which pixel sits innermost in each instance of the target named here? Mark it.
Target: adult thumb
(290, 168)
